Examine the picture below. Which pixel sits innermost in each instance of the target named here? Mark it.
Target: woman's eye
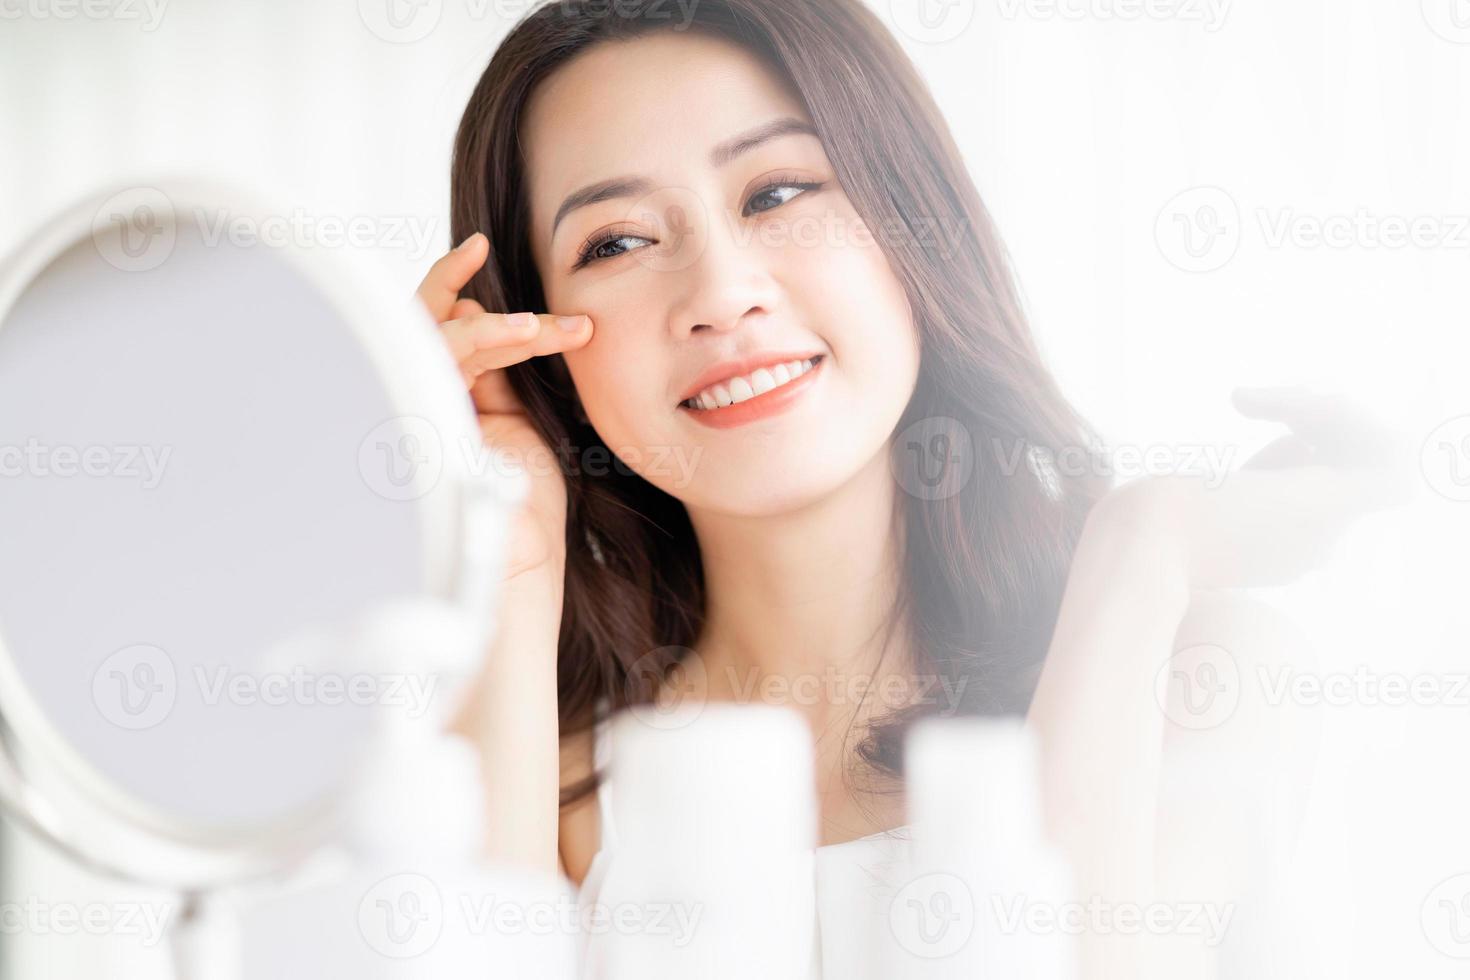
(777, 194)
(606, 248)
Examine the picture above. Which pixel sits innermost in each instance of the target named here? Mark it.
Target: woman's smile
(761, 393)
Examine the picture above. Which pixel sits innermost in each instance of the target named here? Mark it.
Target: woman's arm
(1095, 711)
(512, 719)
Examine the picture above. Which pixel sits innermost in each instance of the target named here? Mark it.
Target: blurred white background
(1196, 193)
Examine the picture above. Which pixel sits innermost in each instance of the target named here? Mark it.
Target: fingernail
(571, 324)
(466, 241)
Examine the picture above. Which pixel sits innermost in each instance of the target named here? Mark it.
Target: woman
(769, 183)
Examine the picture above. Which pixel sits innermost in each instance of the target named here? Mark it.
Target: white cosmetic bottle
(985, 896)
(713, 875)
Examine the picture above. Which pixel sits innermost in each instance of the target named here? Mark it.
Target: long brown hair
(983, 566)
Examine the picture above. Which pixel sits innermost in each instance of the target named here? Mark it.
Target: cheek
(618, 382)
(853, 297)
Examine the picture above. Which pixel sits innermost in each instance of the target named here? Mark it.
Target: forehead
(652, 105)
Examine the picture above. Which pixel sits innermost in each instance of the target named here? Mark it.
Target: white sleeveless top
(855, 884)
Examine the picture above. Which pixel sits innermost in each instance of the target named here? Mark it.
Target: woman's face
(720, 243)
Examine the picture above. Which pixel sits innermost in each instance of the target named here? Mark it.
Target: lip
(764, 405)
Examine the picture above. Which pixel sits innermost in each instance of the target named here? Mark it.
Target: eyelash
(585, 254)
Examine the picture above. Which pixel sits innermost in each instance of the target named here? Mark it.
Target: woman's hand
(1279, 515)
(511, 715)
(484, 345)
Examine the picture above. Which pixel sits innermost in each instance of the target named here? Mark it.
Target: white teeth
(758, 382)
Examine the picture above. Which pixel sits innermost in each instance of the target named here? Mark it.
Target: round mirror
(212, 448)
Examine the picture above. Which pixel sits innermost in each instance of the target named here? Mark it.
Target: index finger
(440, 289)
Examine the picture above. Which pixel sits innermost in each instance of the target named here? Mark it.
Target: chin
(766, 486)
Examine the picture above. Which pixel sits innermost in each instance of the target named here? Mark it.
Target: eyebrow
(721, 155)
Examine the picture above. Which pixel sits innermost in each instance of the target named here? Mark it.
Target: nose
(720, 281)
